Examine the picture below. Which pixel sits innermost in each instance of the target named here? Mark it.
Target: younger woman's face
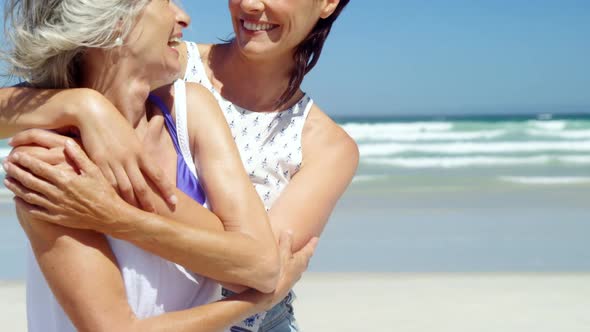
(271, 28)
(154, 38)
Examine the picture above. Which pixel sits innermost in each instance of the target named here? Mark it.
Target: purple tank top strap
(186, 181)
(168, 120)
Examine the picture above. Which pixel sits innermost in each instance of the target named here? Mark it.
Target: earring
(119, 41)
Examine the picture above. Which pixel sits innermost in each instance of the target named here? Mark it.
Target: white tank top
(269, 145)
(153, 284)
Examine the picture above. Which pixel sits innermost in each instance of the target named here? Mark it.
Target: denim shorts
(279, 318)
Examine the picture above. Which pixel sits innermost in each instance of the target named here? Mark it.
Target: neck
(255, 84)
(126, 86)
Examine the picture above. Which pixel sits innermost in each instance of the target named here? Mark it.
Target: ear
(328, 8)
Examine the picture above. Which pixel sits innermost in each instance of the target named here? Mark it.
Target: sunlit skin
(291, 22)
(253, 72)
(130, 64)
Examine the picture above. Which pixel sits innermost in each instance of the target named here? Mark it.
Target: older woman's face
(267, 28)
(154, 38)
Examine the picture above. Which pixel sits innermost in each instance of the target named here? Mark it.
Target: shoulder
(199, 98)
(323, 138)
(203, 112)
(204, 49)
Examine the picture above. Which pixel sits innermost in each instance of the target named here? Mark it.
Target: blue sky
(392, 57)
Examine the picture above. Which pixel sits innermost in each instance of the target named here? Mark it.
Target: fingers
(27, 195)
(52, 156)
(106, 171)
(310, 247)
(305, 253)
(79, 157)
(128, 180)
(124, 185)
(37, 170)
(151, 170)
(39, 137)
(155, 127)
(286, 242)
(24, 209)
(140, 189)
(22, 178)
(164, 185)
(22, 206)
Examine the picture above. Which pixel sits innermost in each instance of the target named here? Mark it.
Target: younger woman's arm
(102, 129)
(330, 159)
(22, 108)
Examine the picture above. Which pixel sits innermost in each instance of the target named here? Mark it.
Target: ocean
(454, 194)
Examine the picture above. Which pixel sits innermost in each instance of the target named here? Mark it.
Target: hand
(75, 196)
(292, 266)
(53, 156)
(115, 148)
(102, 132)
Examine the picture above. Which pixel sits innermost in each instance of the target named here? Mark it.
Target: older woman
(298, 159)
(124, 50)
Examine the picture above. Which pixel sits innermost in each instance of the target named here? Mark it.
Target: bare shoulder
(203, 112)
(199, 99)
(324, 139)
(204, 49)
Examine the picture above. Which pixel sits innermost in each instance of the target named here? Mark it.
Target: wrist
(121, 219)
(261, 301)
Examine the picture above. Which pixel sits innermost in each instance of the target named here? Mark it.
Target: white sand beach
(12, 306)
(426, 302)
(444, 302)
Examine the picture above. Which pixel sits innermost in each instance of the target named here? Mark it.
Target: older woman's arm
(82, 273)
(245, 256)
(189, 235)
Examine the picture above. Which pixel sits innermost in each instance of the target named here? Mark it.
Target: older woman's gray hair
(46, 37)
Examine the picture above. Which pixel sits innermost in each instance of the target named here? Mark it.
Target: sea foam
(387, 149)
(540, 180)
(479, 161)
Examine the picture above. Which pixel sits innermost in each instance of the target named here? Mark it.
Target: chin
(256, 50)
(173, 70)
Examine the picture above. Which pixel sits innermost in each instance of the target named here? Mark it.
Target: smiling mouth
(254, 27)
(174, 42)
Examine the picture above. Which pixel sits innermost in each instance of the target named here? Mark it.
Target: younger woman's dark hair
(308, 53)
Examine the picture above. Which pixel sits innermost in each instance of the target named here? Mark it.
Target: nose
(182, 18)
(252, 6)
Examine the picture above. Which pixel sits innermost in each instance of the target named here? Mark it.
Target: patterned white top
(269, 143)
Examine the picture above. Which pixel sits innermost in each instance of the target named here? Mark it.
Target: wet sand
(422, 302)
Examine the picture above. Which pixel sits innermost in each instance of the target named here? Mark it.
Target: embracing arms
(246, 252)
(175, 239)
(101, 129)
(83, 258)
(85, 253)
(22, 108)
(190, 234)
(98, 302)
